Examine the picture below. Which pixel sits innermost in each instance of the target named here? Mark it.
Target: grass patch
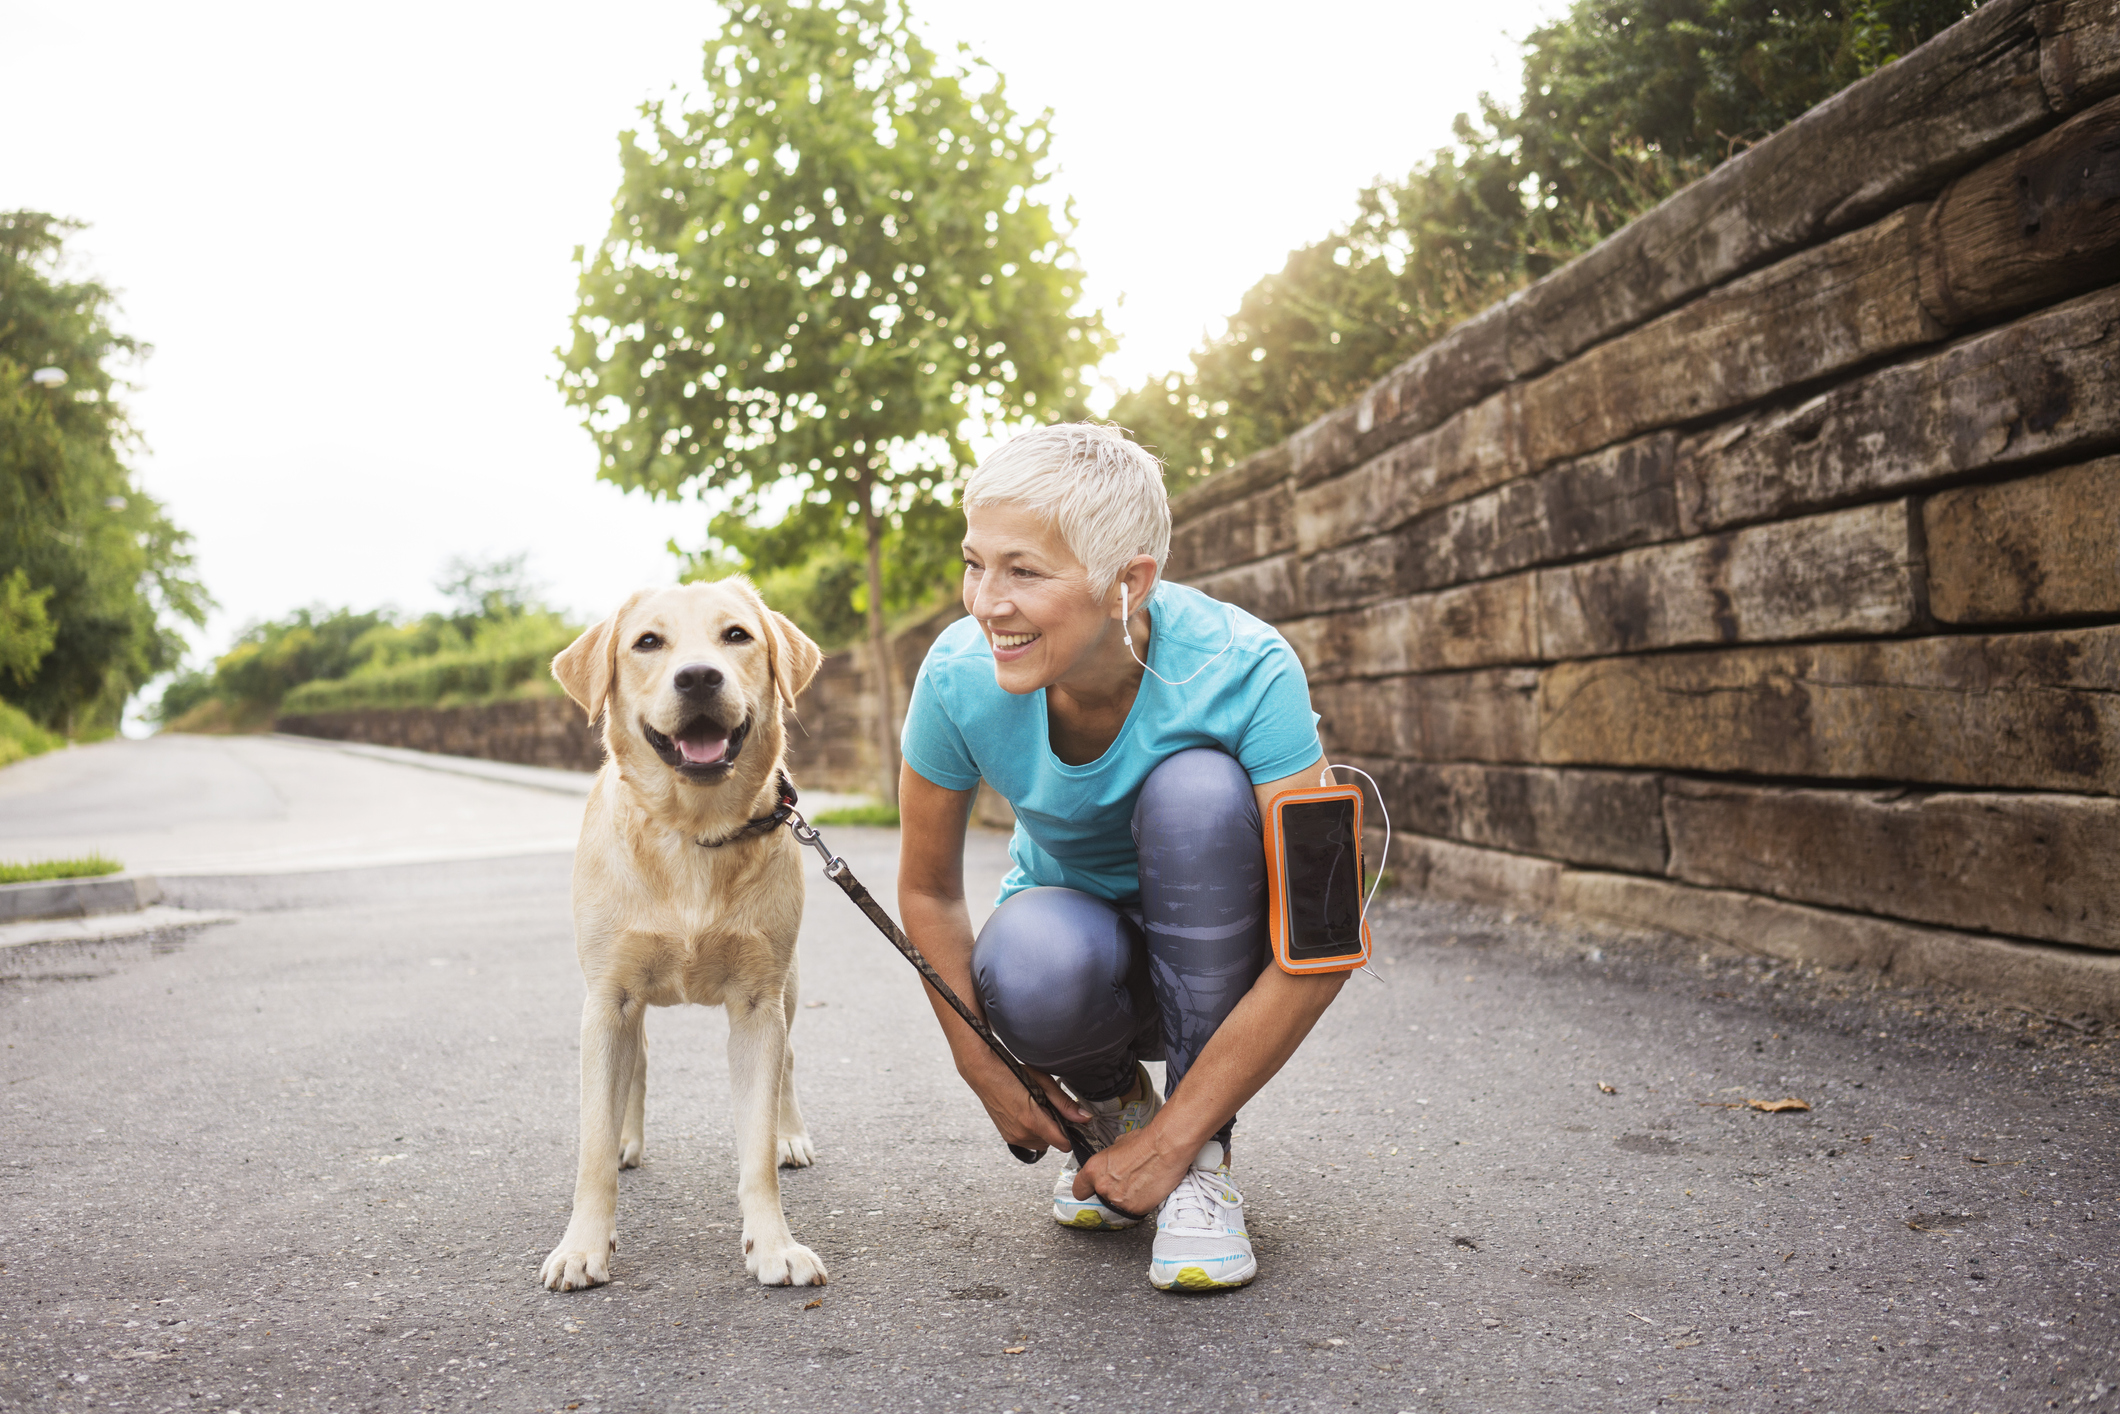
(94, 866)
(884, 815)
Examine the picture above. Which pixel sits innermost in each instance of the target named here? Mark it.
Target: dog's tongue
(702, 749)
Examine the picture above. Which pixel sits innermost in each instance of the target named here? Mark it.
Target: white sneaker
(1201, 1244)
(1108, 1119)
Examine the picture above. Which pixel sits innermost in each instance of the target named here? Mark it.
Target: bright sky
(348, 232)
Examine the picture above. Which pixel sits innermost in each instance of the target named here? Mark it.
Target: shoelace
(1196, 1201)
(1103, 1129)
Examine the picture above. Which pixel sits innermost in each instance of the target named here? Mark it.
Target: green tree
(105, 567)
(1624, 101)
(489, 591)
(26, 631)
(821, 277)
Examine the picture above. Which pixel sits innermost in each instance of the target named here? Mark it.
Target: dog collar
(764, 824)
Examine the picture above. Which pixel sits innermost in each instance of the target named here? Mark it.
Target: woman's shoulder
(959, 660)
(1200, 623)
(961, 640)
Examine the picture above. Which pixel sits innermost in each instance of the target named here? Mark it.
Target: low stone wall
(540, 731)
(1757, 575)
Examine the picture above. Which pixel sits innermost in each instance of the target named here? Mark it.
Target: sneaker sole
(1088, 1218)
(1194, 1278)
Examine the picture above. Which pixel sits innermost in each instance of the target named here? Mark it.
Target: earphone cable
(1126, 630)
(1385, 810)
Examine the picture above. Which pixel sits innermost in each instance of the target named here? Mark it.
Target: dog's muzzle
(702, 750)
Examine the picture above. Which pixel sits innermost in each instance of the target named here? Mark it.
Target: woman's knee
(1054, 969)
(1195, 789)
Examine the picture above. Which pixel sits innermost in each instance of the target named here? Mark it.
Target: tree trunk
(879, 645)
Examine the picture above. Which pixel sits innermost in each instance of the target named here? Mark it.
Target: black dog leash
(837, 871)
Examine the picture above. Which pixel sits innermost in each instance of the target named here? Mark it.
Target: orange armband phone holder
(1314, 880)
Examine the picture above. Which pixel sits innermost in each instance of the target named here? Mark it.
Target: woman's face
(1032, 598)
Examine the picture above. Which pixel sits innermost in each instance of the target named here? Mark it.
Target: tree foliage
(1624, 101)
(824, 270)
(95, 575)
(813, 567)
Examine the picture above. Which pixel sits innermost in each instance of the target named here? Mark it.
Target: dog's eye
(735, 634)
(647, 643)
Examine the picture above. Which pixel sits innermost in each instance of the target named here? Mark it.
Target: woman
(1138, 729)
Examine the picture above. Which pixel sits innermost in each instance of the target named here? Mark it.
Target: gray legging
(1082, 988)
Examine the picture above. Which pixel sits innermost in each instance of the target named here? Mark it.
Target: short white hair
(1103, 493)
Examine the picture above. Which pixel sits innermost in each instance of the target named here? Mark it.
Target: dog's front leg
(795, 1149)
(758, 1047)
(611, 1044)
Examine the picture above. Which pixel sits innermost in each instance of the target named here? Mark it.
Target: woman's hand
(1010, 1106)
(1137, 1172)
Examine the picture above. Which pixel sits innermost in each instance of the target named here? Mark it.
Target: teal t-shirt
(1074, 824)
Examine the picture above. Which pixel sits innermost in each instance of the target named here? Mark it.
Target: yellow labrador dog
(690, 682)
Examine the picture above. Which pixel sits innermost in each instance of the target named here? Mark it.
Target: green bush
(20, 737)
(512, 659)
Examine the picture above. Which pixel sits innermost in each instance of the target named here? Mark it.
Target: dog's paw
(576, 1265)
(629, 1153)
(784, 1264)
(796, 1151)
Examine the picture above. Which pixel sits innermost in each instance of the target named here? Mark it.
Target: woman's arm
(931, 897)
(1249, 1048)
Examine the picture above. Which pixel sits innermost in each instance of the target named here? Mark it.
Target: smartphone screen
(1323, 880)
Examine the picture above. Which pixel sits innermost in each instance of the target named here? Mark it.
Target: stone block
(2033, 866)
(2044, 547)
(2032, 711)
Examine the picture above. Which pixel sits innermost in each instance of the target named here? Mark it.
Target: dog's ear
(794, 658)
(588, 666)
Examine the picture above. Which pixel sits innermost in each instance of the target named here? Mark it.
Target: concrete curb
(78, 898)
(109, 927)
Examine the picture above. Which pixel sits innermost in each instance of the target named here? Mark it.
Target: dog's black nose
(697, 677)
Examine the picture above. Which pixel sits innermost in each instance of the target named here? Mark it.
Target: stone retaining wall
(537, 731)
(1757, 575)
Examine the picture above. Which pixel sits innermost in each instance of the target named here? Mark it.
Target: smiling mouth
(700, 750)
(1014, 640)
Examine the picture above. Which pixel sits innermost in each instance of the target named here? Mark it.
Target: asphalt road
(311, 1159)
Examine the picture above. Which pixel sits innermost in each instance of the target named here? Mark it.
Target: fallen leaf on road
(1606, 1088)
(813, 1303)
(1775, 1107)
(1014, 1349)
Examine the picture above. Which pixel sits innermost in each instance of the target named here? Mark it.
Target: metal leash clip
(806, 833)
